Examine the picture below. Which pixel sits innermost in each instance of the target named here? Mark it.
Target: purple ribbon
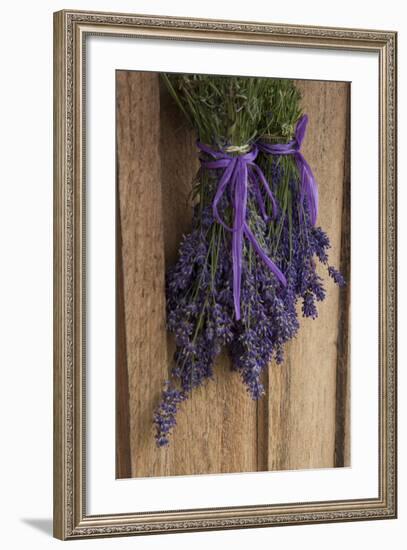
(239, 170)
(308, 184)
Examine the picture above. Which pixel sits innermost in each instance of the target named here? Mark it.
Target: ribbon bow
(308, 184)
(239, 170)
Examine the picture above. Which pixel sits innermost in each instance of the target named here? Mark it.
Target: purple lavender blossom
(336, 276)
(164, 416)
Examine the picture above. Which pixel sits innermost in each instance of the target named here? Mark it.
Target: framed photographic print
(225, 274)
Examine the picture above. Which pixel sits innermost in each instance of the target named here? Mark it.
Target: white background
(26, 245)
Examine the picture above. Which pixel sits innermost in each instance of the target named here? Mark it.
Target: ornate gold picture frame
(72, 518)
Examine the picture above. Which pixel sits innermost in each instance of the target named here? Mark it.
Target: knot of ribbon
(239, 171)
(309, 187)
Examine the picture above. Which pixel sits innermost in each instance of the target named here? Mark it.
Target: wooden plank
(123, 451)
(143, 257)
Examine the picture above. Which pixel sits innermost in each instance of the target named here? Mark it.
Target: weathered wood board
(303, 421)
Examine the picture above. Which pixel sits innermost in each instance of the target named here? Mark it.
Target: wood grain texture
(139, 177)
(342, 434)
(123, 451)
(220, 429)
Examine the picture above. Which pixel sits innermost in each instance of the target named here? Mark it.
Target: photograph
(232, 274)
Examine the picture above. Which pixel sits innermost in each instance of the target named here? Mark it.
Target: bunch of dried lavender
(250, 254)
(296, 239)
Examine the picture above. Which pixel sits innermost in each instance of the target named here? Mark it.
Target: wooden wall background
(303, 422)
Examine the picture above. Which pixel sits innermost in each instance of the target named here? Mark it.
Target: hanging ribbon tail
(309, 187)
(270, 264)
(300, 129)
(240, 202)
